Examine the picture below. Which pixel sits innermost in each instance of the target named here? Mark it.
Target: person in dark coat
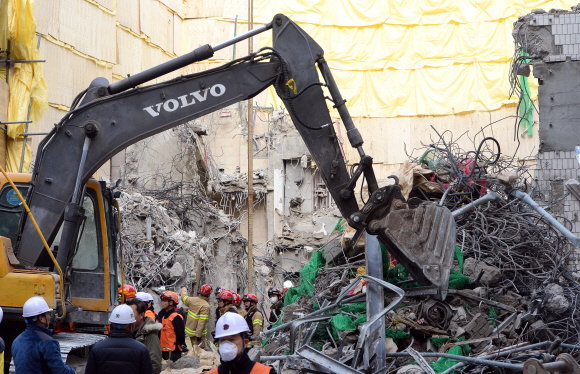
(120, 353)
(35, 351)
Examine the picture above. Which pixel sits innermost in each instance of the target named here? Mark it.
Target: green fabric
(439, 341)
(307, 277)
(457, 280)
(342, 322)
(492, 316)
(525, 104)
(459, 257)
(396, 334)
(360, 320)
(445, 363)
(356, 308)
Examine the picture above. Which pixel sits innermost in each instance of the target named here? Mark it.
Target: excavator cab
(93, 274)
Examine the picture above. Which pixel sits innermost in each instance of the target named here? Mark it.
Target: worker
(148, 300)
(233, 334)
(147, 332)
(238, 304)
(2, 346)
(120, 353)
(277, 305)
(197, 315)
(35, 351)
(253, 317)
(126, 292)
(173, 331)
(225, 299)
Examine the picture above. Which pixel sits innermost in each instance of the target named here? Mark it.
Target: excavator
(64, 249)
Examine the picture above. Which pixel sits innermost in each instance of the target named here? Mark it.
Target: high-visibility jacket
(197, 315)
(243, 365)
(255, 320)
(150, 314)
(168, 337)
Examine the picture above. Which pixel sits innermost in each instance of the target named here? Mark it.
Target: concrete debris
(557, 302)
(511, 281)
(491, 274)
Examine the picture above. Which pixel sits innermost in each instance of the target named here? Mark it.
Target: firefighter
(172, 335)
(253, 317)
(225, 299)
(197, 315)
(35, 351)
(126, 292)
(277, 305)
(148, 300)
(233, 334)
(238, 304)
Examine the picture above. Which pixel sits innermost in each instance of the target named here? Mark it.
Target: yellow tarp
(27, 82)
(412, 57)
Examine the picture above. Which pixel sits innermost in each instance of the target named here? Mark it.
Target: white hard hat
(230, 324)
(144, 296)
(35, 306)
(122, 315)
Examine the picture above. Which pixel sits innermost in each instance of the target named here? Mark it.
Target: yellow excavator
(59, 240)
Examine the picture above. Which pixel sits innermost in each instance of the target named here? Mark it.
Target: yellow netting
(27, 81)
(412, 57)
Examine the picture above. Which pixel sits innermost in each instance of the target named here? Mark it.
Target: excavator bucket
(423, 241)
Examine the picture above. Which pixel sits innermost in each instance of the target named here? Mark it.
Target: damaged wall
(552, 39)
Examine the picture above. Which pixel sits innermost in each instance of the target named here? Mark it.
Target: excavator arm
(113, 116)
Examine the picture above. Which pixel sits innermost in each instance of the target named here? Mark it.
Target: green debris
(355, 308)
(445, 363)
(307, 277)
(396, 334)
(439, 341)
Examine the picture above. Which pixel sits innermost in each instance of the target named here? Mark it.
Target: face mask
(273, 299)
(228, 351)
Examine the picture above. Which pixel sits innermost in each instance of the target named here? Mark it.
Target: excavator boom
(112, 117)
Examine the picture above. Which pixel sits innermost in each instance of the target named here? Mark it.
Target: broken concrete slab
(472, 268)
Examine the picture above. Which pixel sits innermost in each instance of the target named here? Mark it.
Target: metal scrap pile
(512, 302)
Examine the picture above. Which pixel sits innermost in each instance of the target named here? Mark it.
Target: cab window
(87, 256)
(10, 210)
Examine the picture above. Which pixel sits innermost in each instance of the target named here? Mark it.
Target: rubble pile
(164, 234)
(512, 292)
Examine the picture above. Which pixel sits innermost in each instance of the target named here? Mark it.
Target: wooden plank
(4, 95)
(129, 53)
(47, 15)
(175, 5)
(233, 8)
(177, 35)
(128, 14)
(88, 29)
(148, 9)
(109, 4)
(204, 8)
(198, 32)
(57, 73)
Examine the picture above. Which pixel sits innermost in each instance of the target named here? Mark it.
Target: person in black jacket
(277, 305)
(120, 353)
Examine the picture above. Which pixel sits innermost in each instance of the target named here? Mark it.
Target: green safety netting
(307, 276)
(343, 322)
(445, 363)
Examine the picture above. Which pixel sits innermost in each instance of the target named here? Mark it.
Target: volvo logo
(172, 105)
